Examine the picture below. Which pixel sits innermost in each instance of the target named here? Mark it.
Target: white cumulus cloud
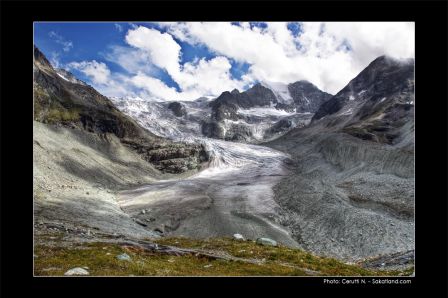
(98, 72)
(316, 54)
(195, 79)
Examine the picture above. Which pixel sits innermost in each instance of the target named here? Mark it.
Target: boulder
(266, 242)
(178, 109)
(77, 271)
(124, 257)
(238, 237)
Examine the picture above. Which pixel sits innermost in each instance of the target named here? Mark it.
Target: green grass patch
(56, 115)
(101, 260)
(48, 109)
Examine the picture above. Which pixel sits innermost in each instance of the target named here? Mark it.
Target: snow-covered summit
(280, 90)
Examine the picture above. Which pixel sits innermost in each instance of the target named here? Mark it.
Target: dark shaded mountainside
(305, 98)
(376, 104)
(62, 100)
(351, 192)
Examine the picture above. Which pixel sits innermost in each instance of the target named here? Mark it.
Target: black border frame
(431, 73)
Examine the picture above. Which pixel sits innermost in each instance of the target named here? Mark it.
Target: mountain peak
(68, 76)
(257, 86)
(385, 77)
(303, 82)
(389, 60)
(235, 91)
(307, 97)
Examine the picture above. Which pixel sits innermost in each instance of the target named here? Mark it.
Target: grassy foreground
(100, 259)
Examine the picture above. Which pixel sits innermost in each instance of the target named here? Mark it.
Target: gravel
(347, 198)
(76, 177)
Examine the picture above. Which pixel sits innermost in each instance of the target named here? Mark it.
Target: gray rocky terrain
(351, 194)
(76, 175)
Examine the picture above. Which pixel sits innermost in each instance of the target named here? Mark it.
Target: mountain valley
(332, 175)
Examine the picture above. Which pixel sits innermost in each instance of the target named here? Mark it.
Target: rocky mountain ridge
(229, 119)
(376, 105)
(61, 101)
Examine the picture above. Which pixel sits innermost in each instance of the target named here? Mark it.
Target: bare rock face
(307, 97)
(222, 111)
(377, 105)
(228, 120)
(281, 126)
(178, 109)
(212, 130)
(258, 95)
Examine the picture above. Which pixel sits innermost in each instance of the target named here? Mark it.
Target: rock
(143, 211)
(266, 242)
(208, 266)
(281, 126)
(77, 271)
(212, 129)
(238, 237)
(124, 257)
(50, 269)
(159, 230)
(178, 109)
(137, 221)
(307, 97)
(87, 192)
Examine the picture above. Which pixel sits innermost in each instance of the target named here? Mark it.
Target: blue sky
(183, 61)
(91, 41)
